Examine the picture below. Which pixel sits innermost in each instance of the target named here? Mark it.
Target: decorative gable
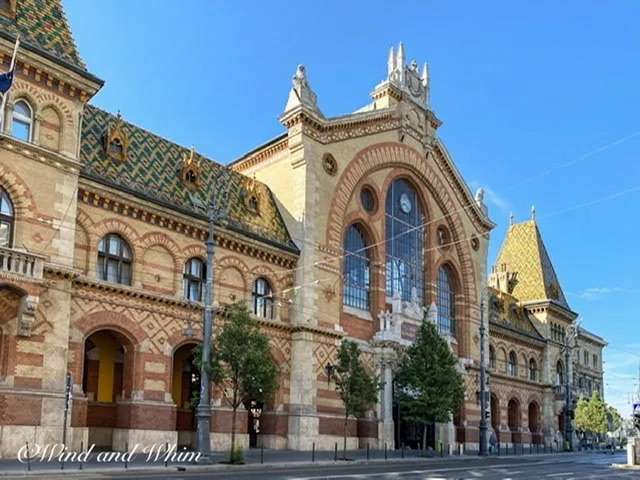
(116, 140)
(190, 173)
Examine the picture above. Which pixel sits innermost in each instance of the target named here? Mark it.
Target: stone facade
(106, 218)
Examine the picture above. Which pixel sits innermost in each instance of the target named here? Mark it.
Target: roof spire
(533, 213)
(512, 219)
(391, 63)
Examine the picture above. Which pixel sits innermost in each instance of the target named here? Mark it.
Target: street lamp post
(203, 410)
(572, 332)
(483, 392)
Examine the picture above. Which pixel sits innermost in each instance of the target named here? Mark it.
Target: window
(512, 364)
(492, 357)
(446, 303)
(533, 370)
(586, 358)
(22, 124)
(404, 232)
(357, 270)
(559, 373)
(595, 361)
(262, 298)
(193, 279)
(114, 260)
(6, 219)
(368, 199)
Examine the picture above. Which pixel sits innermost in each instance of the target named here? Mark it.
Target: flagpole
(11, 67)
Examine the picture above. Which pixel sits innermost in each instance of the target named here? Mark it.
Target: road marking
(563, 474)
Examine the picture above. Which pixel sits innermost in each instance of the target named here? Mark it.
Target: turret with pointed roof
(523, 267)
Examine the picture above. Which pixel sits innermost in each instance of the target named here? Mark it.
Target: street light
(483, 392)
(568, 345)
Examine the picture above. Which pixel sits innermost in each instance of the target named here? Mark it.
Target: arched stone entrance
(534, 422)
(495, 415)
(185, 385)
(107, 382)
(513, 410)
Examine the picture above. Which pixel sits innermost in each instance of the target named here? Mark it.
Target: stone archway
(107, 381)
(495, 415)
(534, 422)
(513, 414)
(185, 384)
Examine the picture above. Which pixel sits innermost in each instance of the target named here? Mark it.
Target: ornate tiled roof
(523, 253)
(42, 24)
(153, 170)
(505, 311)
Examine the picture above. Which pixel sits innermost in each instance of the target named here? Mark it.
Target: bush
(237, 456)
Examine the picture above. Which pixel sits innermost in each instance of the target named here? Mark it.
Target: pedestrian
(492, 442)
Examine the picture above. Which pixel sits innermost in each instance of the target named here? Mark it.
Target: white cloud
(596, 293)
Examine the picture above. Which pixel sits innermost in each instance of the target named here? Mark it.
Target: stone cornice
(260, 154)
(505, 332)
(120, 203)
(542, 306)
(40, 154)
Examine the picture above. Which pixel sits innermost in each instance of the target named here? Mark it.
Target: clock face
(405, 203)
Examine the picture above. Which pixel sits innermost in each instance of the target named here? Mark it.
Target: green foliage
(591, 415)
(355, 386)
(237, 456)
(614, 418)
(241, 363)
(429, 386)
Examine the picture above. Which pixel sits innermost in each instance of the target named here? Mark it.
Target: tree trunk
(233, 425)
(424, 438)
(344, 439)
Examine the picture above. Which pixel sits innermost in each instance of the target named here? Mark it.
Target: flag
(6, 79)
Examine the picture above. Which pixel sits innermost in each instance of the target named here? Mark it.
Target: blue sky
(539, 102)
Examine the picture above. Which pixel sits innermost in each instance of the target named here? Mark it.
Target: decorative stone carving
(252, 197)
(407, 77)
(329, 164)
(301, 94)
(27, 315)
(116, 140)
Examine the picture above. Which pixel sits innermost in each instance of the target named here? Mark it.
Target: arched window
(446, 303)
(114, 259)
(262, 298)
(512, 364)
(513, 414)
(193, 279)
(22, 122)
(357, 270)
(559, 373)
(404, 232)
(533, 370)
(492, 357)
(6, 219)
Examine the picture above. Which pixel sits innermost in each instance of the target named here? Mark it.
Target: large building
(357, 226)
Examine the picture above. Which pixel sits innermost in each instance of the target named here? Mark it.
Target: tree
(241, 364)
(614, 419)
(591, 414)
(430, 388)
(354, 385)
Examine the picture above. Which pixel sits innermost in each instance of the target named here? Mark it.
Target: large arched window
(512, 364)
(446, 302)
(492, 357)
(357, 269)
(533, 370)
(262, 298)
(6, 219)
(559, 373)
(193, 279)
(404, 242)
(22, 121)
(114, 259)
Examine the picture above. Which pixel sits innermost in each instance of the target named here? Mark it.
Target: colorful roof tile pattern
(153, 168)
(43, 25)
(505, 310)
(524, 253)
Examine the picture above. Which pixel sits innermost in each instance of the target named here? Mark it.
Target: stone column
(386, 430)
(303, 420)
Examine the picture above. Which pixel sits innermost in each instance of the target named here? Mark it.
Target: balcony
(21, 264)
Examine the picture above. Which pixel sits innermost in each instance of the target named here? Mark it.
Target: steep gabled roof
(43, 26)
(523, 253)
(153, 171)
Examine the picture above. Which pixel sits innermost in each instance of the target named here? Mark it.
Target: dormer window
(190, 170)
(116, 140)
(190, 176)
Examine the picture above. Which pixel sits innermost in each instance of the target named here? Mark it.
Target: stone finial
(409, 78)
(479, 198)
(512, 219)
(301, 94)
(400, 60)
(391, 62)
(533, 213)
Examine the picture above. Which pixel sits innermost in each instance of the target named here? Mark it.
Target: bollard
(28, 458)
(126, 457)
(81, 450)
(335, 452)
(313, 452)
(367, 452)
(261, 453)
(385, 450)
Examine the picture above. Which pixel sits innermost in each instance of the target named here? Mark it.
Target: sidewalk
(254, 458)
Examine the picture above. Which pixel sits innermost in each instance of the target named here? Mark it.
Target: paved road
(559, 467)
